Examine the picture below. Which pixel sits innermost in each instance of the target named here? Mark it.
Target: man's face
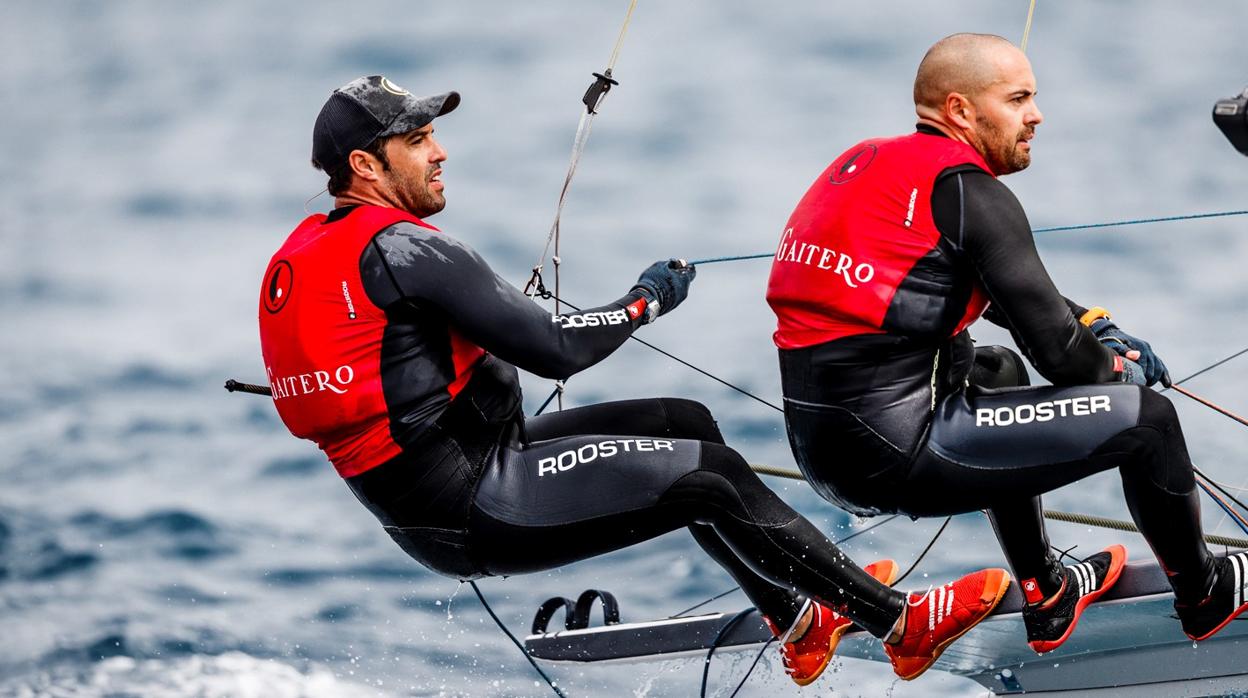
(1006, 115)
(414, 179)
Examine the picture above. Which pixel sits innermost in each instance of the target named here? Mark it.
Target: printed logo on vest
(277, 285)
(852, 164)
(311, 382)
(821, 257)
(914, 195)
(346, 296)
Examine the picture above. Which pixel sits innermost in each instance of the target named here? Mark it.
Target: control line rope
(559, 388)
(1085, 226)
(1031, 12)
(838, 541)
(1222, 504)
(1210, 404)
(593, 99)
(1085, 519)
(514, 641)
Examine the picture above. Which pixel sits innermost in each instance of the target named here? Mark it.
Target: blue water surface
(159, 537)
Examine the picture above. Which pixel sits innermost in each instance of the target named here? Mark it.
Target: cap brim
(419, 111)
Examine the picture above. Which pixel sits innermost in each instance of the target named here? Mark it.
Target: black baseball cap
(366, 109)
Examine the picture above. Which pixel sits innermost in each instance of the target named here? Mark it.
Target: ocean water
(159, 537)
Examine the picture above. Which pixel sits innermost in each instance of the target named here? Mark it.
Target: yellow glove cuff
(1094, 314)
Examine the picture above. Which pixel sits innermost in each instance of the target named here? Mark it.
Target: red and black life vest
(854, 238)
(321, 338)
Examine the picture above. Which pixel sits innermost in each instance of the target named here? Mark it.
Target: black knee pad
(1155, 447)
(725, 484)
(689, 419)
(998, 367)
(1172, 469)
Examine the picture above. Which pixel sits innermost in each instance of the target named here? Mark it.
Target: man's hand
(1132, 348)
(664, 285)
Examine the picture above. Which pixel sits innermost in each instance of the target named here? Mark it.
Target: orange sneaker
(943, 614)
(806, 657)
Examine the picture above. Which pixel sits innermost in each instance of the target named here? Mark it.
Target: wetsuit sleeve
(434, 272)
(991, 315)
(981, 218)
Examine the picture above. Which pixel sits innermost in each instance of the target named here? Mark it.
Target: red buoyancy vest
(321, 339)
(856, 234)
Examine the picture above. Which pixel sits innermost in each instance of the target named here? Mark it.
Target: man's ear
(959, 110)
(364, 165)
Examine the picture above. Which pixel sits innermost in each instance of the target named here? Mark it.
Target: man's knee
(1156, 410)
(1157, 441)
(689, 419)
(998, 367)
(724, 483)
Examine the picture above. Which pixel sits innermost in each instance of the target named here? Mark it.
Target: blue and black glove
(664, 285)
(1130, 348)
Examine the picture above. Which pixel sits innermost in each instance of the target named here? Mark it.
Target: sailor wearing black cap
(395, 348)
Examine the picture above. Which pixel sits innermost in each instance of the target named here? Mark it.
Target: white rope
(1031, 12)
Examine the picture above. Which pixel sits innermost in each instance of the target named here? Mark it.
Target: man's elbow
(556, 366)
(1065, 369)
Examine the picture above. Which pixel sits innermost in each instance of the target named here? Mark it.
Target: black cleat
(1227, 599)
(1048, 628)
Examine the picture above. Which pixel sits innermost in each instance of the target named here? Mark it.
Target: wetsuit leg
(661, 416)
(1018, 523)
(566, 499)
(678, 419)
(1029, 441)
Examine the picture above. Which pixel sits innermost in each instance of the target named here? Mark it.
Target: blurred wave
(159, 537)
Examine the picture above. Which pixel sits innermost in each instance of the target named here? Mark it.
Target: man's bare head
(979, 89)
(966, 63)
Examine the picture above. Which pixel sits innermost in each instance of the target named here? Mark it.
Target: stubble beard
(1001, 151)
(416, 196)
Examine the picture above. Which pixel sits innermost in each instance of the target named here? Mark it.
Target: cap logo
(393, 88)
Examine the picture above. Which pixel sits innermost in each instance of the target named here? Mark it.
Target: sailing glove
(1121, 342)
(664, 285)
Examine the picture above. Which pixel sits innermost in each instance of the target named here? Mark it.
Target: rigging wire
(1031, 12)
(838, 541)
(677, 359)
(1222, 503)
(592, 100)
(750, 670)
(719, 637)
(1085, 226)
(1206, 369)
(723, 631)
(1210, 404)
(926, 550)
(516, 642)
(1220, 487)
(1065, 517)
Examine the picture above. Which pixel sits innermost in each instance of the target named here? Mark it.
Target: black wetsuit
(888, 422)
(476, 489)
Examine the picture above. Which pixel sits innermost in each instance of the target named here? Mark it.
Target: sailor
(895, 250)
(395, 348)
